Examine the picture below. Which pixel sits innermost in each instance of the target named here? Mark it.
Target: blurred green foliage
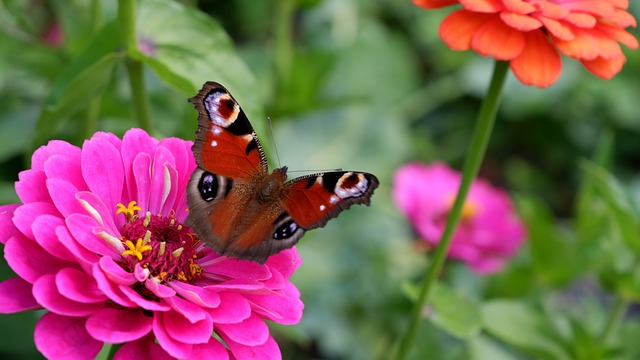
(364, 85)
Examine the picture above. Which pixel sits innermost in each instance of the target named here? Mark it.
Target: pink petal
(233, 309)
(267, 351)
(15, 296)
(184, 165)
(285, 309)
(241, 285)
(140, 273)
(83, 256)
(79, 286)
(234, 268)
(142, 176)
(103, 213)
(276, 281)
(145, 348)
(25, 215)
(31, 187)
(116, 273)
(29, 260)
(44, 234)
(196, 294)
(169, 195)
(118, 325)
(109, 137)
(7, 228)
(62, 337)
(135, 142)
(63, 195)
(110, 289)
(149, 305)
(173, 347)
(188, 309)
(183, 330)
(47, 295)
(286, 262)
(158, 289)
(210, 350)
(85, 230)
(54, 147)
(102, 170)
(158, 187)
(251, 331)
(67, 168)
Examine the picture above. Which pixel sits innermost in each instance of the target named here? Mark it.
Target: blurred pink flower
(99, 243)
(489, 232)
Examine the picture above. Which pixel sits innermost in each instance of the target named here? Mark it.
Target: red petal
(583, 46)
(623, 19)
(581, 20)
(619, 35)
(539, 63)
(609, 48)
(519, 6)
(599, 8)
(434, 4)
(498, 40)
(558, 29)
(551, 10)
(457, 29)
(483, 6)
(519, 21)
(604, 69)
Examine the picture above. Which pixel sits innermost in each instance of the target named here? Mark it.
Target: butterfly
(240, 209)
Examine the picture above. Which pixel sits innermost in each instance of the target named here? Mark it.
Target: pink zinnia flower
(489, 232)
(98, 241)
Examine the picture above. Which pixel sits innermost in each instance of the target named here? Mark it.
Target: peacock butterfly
(240, 209)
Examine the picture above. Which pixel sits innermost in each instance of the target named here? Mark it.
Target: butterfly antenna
(316, 170)
(273, 140)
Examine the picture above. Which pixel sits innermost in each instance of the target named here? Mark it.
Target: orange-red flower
(529, 33)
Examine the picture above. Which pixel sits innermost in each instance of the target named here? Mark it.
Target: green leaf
(589, 215)
(185, 48)
(454, 312)
(523, 327)
(482, 348)
(616, 198)
(554, 256)
(84, 79)
(449, 310)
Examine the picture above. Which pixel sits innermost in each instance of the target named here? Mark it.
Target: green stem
(283, 40)
(127, 21)
(93, 114)
(475, 155)
(615, 318)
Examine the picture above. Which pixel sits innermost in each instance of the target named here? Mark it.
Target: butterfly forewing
(314, 199)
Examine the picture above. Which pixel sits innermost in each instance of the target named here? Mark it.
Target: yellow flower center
(129, 211)
(137, 249)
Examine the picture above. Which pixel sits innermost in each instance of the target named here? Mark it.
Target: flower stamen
(137, 249)
(129, 211)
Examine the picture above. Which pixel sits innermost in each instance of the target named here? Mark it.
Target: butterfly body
(240, 209)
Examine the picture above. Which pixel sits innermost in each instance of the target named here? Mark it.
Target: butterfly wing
(230, 161)
(310, 201)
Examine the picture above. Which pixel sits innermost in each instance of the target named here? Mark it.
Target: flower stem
(615, 317)
(127, 20)
(283, 40)
(475, 155)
